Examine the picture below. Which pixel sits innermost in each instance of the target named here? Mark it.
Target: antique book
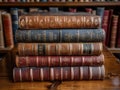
(2, 45)
(109, 27)
(105, 24)
(114, 31)
(59, 49)
(59, 20)
(7, 27)
(100, 12)
(14, 15)
(60, 35)
(55, 61)
(58, 73)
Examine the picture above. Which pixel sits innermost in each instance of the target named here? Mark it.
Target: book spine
(114, 31)
(100, 12)
(68, 21)
(118, 34)
(55, 61)
(105, 24)
(7, 27)
(59, 49)
(109, 27)
(14, 15)
(2, 45)
(58, 73)
(60, 35)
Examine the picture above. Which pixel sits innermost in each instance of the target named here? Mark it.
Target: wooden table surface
(111, 81)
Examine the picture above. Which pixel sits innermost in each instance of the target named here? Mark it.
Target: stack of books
(59, 46)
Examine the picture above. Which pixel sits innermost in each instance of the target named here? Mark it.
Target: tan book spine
(114, 31)
(58, 21)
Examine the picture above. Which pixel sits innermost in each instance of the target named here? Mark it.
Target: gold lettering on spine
(52, 74)
(59, 48)
(60, 60)
(70, 49)
(72, 60)
(49, 58)
(41, 74)
(23, 50)
(31, 74)
(27, 62)
(83, 61)
(92, 49)
(90, 71)
(72, 73)
(22, 22)
(99, 71)
(36, 49)
(81, 73)
(37, 61)
(81, 48)
(20, 74)
(61, 71)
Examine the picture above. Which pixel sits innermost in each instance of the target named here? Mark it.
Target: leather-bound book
(59, 49)
(59, 20)
(55, 61)
(60, 35)
(58, 73)
(7, 27)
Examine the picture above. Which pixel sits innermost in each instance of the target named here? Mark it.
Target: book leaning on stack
(54, 46)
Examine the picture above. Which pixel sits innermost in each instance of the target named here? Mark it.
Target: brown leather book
(7, 27)
(58, 73)
(114, 31)
(59, 49)
(59, 20)
(55, 61)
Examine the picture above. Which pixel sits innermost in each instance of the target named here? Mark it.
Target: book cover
(60, 35)
(59, 20)
(58, 61)
(59, 49)
(7, 27)
(58, 73)
(114, 31)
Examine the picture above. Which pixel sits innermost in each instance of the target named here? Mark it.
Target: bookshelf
(115, 5)
(60, 4)
(109, 69)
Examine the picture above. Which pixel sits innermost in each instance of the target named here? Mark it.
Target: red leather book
(114, 31)
(55, 61)
(105, 24)
(58, 73)
(59, 20)
(7, 27)
(109, 27)
(59, 49)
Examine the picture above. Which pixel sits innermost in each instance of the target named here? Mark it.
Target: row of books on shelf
(109, 23)
(59, 0)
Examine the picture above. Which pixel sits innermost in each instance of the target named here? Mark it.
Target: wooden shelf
(114, 50)
(60, 4)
